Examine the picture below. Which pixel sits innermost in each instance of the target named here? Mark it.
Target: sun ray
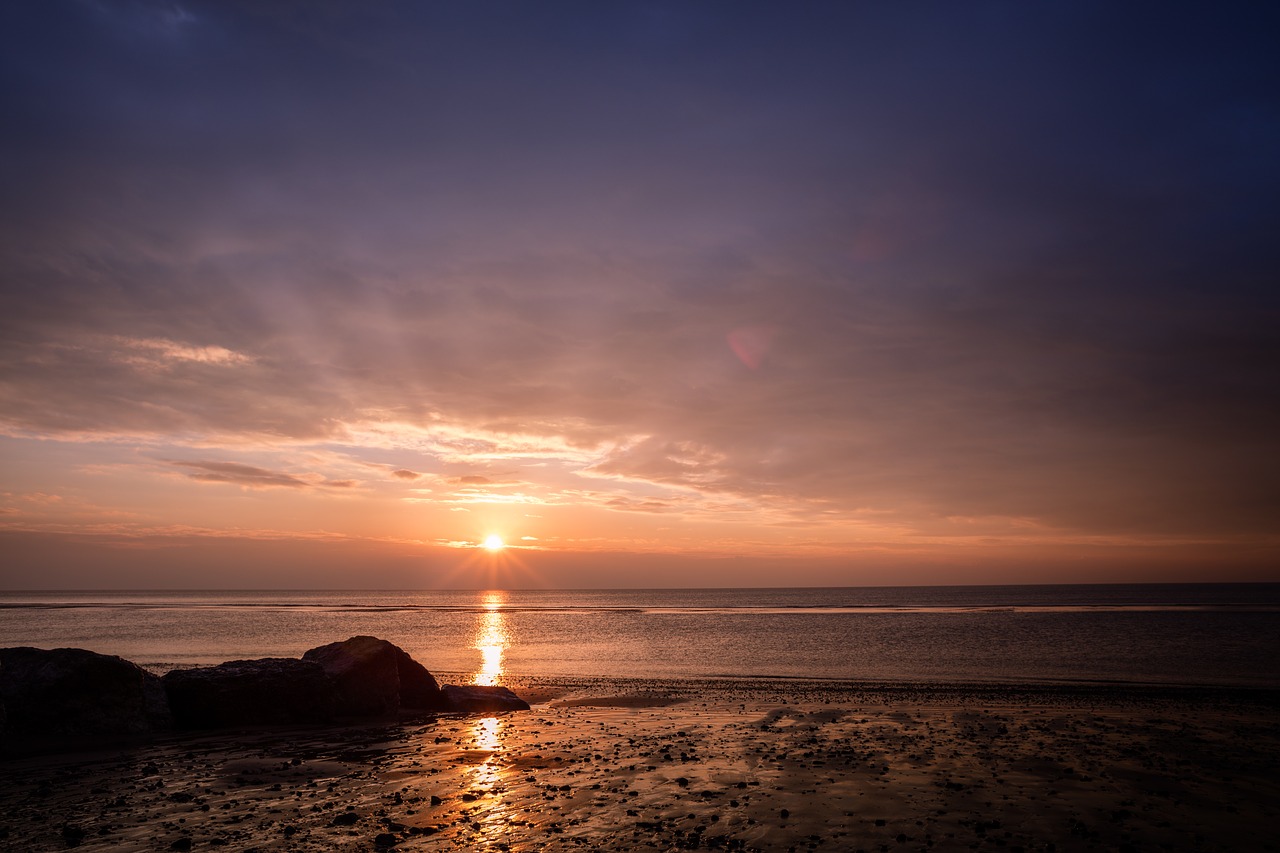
(484, 568)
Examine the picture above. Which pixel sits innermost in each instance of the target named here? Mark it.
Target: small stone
(72, 835)
(345, 819)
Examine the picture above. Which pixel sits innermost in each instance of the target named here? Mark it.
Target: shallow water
(1181, 633)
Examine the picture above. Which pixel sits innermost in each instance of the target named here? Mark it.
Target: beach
(600, 764)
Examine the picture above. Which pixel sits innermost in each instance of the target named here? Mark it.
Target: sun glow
(493, 542)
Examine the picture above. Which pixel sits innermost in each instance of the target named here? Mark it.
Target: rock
(59, 692)
(365, 673)
(474, 698)
(385, 839)
(418, 688)
(375, 676)
(250, 692)
(72, 835)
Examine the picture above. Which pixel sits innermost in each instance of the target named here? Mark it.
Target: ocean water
(1208, 634)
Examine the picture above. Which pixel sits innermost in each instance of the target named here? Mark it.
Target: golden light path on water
(486, 776)
(491, 640)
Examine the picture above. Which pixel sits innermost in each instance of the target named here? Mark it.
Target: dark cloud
(253, 477)
(405, 474)
(340, 484)
(241, 475)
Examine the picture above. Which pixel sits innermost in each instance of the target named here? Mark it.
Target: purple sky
(718, 293)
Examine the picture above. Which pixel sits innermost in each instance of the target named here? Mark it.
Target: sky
(323, 294)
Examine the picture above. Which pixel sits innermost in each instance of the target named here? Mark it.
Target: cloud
(405, 474)
(253, 477)
(340, 484)
(155, 352)
(478, 496)
(241, 475)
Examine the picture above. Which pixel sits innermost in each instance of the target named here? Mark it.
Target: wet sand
(672, 766)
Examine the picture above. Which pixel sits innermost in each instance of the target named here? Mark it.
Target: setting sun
(493, 542)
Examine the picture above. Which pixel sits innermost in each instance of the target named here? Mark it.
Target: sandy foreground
(675, 766)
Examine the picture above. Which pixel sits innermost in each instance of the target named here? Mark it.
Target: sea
(1183, 634)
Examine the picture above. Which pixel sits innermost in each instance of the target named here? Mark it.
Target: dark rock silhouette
(77, 692)
(475, 698)
(418, 688)
(72, 697)
(375, 676)
(267, 691)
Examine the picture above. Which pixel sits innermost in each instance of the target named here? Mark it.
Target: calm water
(1180, 633)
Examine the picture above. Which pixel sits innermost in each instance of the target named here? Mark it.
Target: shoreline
(539, 689)
(630, 764)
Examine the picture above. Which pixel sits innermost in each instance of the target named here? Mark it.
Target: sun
(493, 542)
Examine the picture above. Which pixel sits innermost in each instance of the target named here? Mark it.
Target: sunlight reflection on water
(485, 732)
(486, 779)
(491, 640)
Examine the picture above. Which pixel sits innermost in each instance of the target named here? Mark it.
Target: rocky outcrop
(418, 688)
(475, 698)
(376, 677)
(73, 697)
(74, 692)
(268, 691)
